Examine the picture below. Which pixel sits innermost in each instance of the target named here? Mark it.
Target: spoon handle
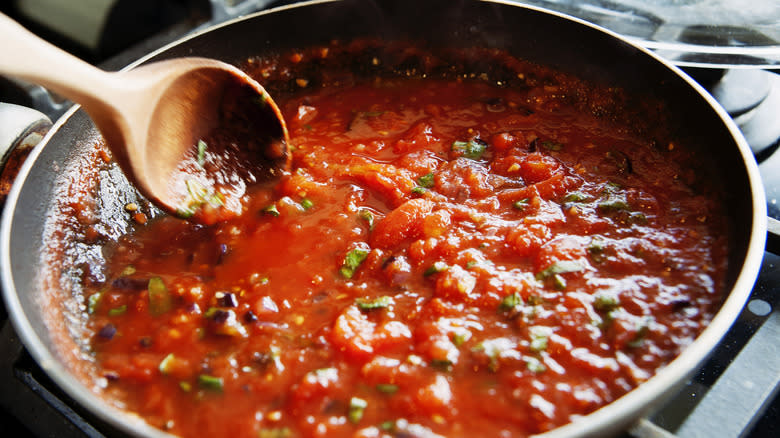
(26, 56)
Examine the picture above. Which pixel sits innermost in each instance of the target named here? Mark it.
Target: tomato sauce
(447, 257)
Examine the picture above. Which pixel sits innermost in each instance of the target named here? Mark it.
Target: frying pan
(43, 299)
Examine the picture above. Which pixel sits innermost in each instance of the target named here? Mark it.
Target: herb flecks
(472, 149)
(201, 153)
(352, 261)
(552, 274)
(366, 304)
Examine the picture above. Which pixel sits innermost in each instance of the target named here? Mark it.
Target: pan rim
(610, 416)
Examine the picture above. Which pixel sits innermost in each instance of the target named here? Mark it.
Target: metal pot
(45, 311)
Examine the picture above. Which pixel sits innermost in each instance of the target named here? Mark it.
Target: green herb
(575, 197)
(613, 203)
(471, 263)
(184, 212)
(539, 337)
(460, 338)
(271, 210)
(276, 432)
(442, 364)
(387, 388)
(560, 267)
(494, 349)
(553, 273)
(535, 300)
(552, 145)
(643, 328)
(426, 181)
(535, 365)
(472, 149)
(605, 301)
(511, 302)
(367, 216)
(419, 190)
(356, 408)
(352, 261)
(93, 301)
(596, 246)
(306, 203)
(436, 268)
(612, 199)
(387, 426)
(521, 204)
(160, 300)
(539, 343)
(201, 153)
(216, 199)
(596, 249)
(558, 282)
(210, 383)
(637, 218)
(185, 386)
(376, 303)
(196, 191)
(118, 310)
(198, 196)
(166, 365)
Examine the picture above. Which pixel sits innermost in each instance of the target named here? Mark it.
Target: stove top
(734, 394)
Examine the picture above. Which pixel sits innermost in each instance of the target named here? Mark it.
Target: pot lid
(691, 33)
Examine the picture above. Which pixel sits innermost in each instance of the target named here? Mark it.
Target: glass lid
(693, 33)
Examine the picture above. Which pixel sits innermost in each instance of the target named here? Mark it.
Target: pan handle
(22, 128)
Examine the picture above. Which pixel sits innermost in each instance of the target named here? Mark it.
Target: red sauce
(446, 258)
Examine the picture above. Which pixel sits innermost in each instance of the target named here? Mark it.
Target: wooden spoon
(192, 134)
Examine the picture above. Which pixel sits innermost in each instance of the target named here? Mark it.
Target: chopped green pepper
(426, 181)
(210, 383)
(472, 149)
(356, 408)
(160, 300)
(387, 388)
(367, 216)
(93, 301)
(643, 328)
(521, 204)
(271, 210)
(459, 338)
(436, 268)
(166, 365)
(511, 302)
(575, 197)
(605, 301)
(118, 310)
(373, 304)
(539, 337)
(352, 261)
(201, 153)
(306, 203)
(535, 365)
(276, 432)
(552, 273)
(560, 267)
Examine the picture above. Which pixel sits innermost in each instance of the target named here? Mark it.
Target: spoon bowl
(192, 134)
